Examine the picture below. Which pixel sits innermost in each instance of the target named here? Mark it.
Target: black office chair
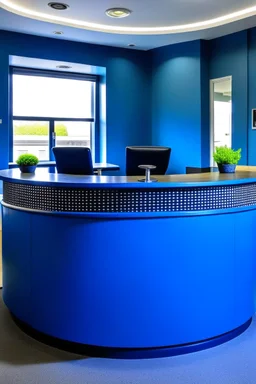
(158, 156)
(73, 160)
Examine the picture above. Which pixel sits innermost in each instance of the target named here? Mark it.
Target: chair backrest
(158, 156)
(73, 160)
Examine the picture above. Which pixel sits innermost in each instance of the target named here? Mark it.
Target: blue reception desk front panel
(128, 281)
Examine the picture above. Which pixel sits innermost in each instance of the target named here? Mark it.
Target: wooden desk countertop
(44, 178)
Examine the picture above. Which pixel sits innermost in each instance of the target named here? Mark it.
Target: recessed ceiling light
(63, 66)
(58, 32)
(118, 12)
(58, 6)
(131, 45)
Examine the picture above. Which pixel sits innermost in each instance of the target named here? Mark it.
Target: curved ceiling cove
(175, 16)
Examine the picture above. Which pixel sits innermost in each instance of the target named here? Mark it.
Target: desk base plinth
(130, 353)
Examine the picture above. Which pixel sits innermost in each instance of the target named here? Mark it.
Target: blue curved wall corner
(128, 75)
(129, 112)
(229, 57)
(177, 72)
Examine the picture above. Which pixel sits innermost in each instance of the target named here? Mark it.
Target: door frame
(212, 82)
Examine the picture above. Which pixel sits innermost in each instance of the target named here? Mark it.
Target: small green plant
(225, 155)
(27, 159)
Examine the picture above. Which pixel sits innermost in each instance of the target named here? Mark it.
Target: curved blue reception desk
(111, 266)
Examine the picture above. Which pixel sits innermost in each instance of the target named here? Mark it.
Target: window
(51, 109)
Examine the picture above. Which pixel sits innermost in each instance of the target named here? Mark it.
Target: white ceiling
(145, 14)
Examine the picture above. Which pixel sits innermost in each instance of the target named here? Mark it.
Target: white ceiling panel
(146, 13)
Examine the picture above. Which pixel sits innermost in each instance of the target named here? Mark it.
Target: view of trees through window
(34, 136)
(37, 125)
(37, 129)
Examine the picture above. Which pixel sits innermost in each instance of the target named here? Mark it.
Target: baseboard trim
(130, 353)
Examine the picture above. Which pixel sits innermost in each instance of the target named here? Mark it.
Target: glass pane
(52, 97)
(222, 113)
(72, 133)
(31, 137)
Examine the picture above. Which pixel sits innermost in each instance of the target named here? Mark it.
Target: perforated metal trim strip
(60, 199)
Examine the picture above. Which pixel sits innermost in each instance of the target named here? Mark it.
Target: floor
(26, 361)
(23, 360)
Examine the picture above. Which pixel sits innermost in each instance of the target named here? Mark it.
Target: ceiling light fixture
(63, 66)
(58, 6)
(118, 12)
(58, 32)
(13, 6)
(131, 45)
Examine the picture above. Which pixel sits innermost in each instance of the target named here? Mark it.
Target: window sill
(40, 164)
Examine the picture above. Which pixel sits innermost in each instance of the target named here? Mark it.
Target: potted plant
(226, 159)
(27, 163)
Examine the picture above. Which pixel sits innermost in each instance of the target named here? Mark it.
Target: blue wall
(251, 95)
(159, 97)
(176, 101)
(229, 57)
(180, 96)
(128, 74)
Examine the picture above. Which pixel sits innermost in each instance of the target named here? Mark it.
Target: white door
(221, 113)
